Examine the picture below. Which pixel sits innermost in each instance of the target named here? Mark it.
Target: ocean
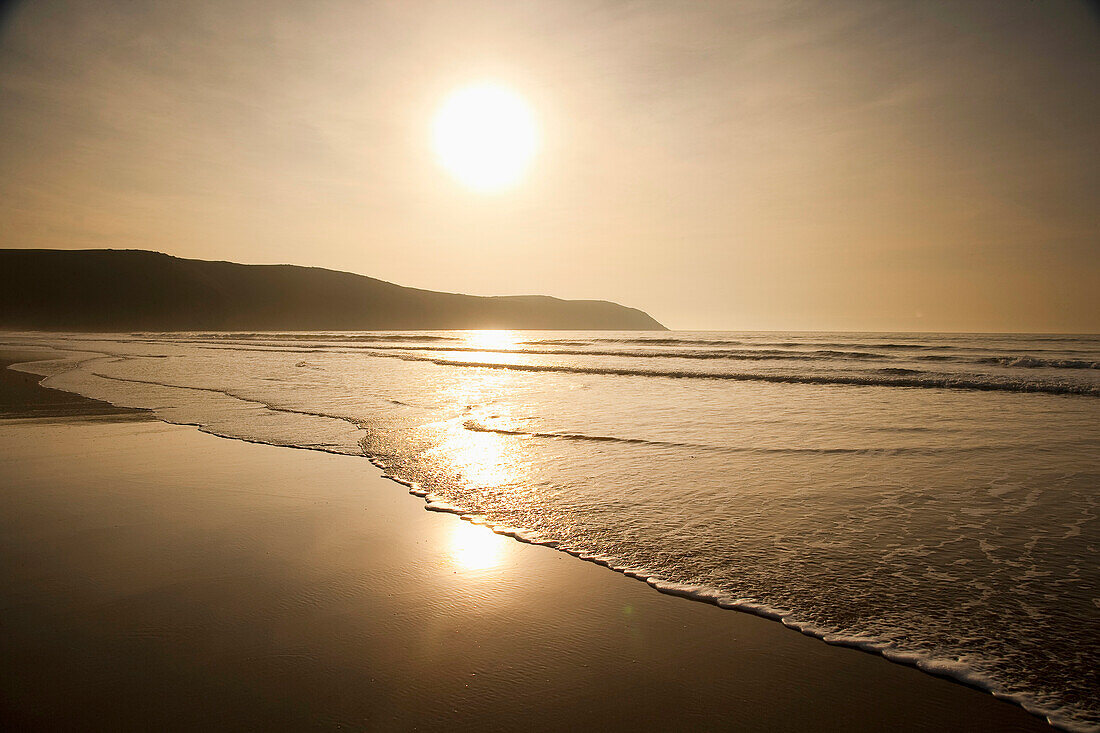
(931, 498)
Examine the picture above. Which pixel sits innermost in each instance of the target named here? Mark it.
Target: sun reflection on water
(467, 446)
(492, 339)
(477, 460)
(479, 466)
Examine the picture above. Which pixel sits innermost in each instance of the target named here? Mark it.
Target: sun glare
(474, 547)
(492, 339)
(485, 136)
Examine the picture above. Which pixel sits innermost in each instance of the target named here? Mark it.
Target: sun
(485, 136)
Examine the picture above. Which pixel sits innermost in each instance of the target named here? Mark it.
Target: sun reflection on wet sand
(474, 547)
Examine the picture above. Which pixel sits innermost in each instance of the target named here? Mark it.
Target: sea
(931, 498)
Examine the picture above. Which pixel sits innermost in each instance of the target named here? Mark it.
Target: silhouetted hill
(136, 290)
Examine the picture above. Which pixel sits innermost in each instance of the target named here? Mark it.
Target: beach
(549, 366)
(157, 576)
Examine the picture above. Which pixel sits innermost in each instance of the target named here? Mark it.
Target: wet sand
(157, 577)
(22, 397)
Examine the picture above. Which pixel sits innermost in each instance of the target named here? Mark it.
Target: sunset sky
(739, 165)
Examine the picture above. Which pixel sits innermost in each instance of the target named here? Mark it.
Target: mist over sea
(930, 497)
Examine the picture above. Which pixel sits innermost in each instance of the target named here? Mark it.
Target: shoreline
(23, 396)
(714, 597)
(719, 645)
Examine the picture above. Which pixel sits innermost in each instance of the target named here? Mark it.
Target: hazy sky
(738, 165)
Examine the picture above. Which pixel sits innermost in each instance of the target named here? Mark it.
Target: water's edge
(950, 670)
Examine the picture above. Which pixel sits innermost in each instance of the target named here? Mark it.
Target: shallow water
(930, 497)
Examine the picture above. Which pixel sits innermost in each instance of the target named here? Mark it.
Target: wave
(740, 354)
(316, 336)
(233, 395)
(1023, 361)
(1017, 361)
(555, 342)
(927, 381)
(475, 426)
(479, 427)
(664, 341)
(772, 354)
(672, 341)
(786, 352)
(1032, 362)
(823, 345)
(835, 345)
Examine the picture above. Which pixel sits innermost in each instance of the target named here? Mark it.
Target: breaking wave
(924, 381)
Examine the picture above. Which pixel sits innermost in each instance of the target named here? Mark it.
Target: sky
(757, 165)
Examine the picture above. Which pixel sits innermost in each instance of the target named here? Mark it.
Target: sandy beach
(158, 577)
(550, 366)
